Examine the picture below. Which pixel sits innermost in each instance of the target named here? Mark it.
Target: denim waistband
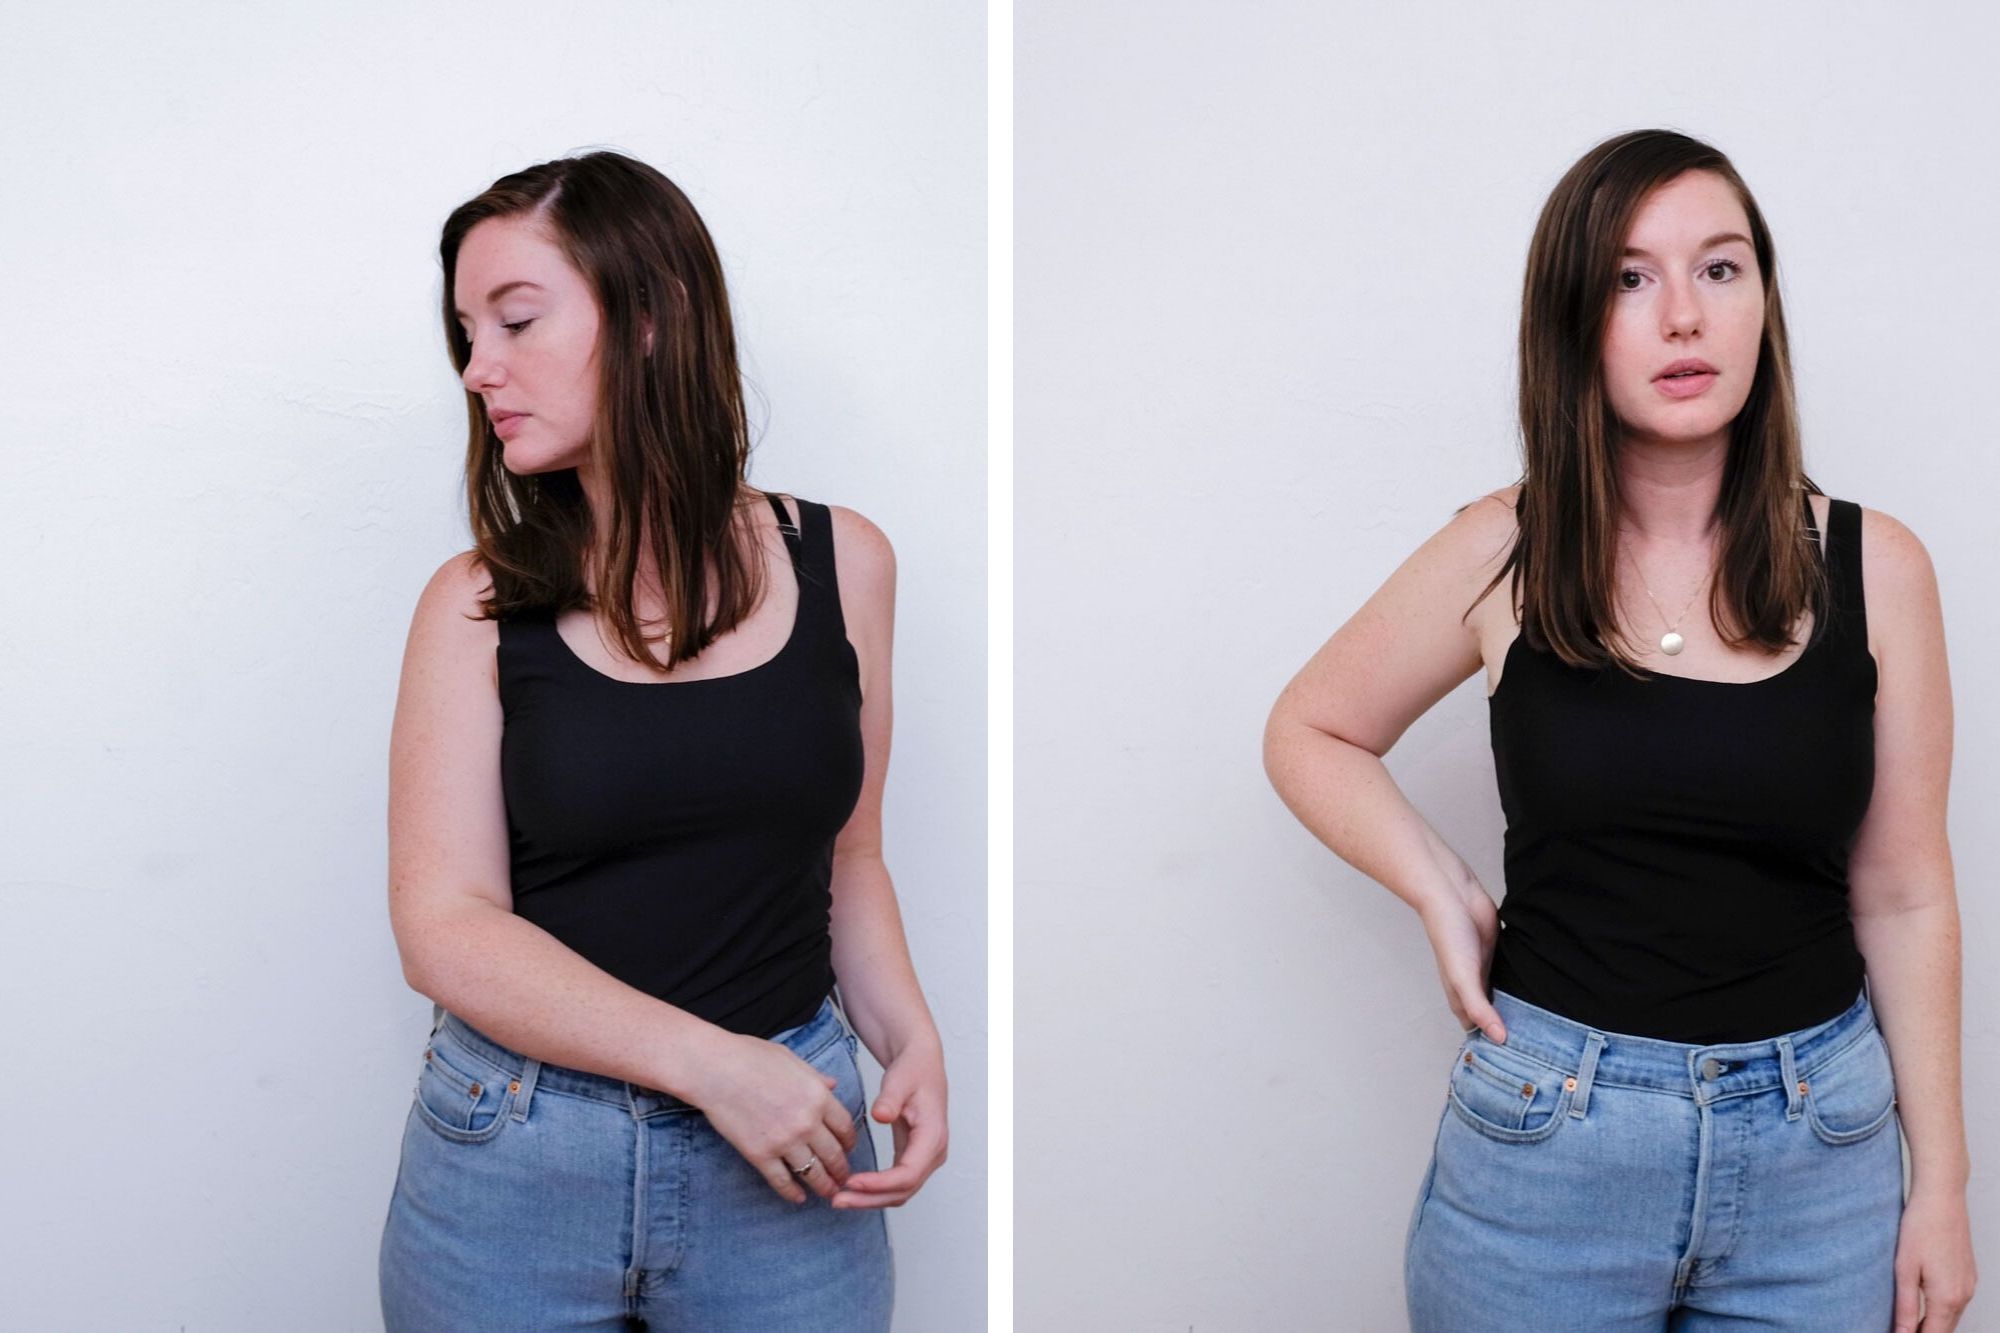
(807, 1040)
(1706, 1073)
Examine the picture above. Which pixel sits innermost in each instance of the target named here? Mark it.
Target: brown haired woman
(1725, 849)
(635, 819)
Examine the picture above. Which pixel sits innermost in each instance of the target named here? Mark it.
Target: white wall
(231, 458)
(1269, 274)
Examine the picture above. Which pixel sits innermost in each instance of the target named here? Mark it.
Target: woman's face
(1688, 287)
(534, 345)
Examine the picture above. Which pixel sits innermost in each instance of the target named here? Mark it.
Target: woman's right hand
(778, 1112)
(1463, 927)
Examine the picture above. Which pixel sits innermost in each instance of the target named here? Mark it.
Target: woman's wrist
(918, 1038)
(691, 1058)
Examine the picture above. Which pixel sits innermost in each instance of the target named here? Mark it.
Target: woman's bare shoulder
(1899, 581)
(1496, 507)
(1482, 532)
(447, 630)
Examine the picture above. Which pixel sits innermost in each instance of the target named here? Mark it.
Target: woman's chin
(527, 463)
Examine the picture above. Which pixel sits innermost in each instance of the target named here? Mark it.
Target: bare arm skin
(1396, 657)
(1905, 905)
(878, 983)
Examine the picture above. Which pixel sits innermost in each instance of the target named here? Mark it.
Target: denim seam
(448, 1071)
(1842, 1138)
(1493, 1074)
(823, 1047)
(1827, 1060)
(460, 1044)
(1477, 1049)
(685, 1213)
(458, 1133)
(634, 1273)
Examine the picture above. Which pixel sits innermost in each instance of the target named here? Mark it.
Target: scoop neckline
(1812, 645)
(791, 637)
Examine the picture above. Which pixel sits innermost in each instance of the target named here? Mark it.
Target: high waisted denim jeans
(537, 1198)
(1593, 1180)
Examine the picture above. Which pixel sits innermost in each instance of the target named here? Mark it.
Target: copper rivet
(1527, 1089)
(427, 1055)
(515, 1086)
(1802, 1085)
(1468, 1057)
(475, 1089)
(1569, 1084)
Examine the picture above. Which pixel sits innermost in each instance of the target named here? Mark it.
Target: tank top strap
(1849, 624)
(819, 585)
(785, 525)
(1843, 552)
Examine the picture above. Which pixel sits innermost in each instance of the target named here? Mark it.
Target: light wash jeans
(539, 1198)
(1595, 1180)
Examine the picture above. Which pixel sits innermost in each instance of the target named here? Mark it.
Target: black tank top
(1676, 850)
(680, 834)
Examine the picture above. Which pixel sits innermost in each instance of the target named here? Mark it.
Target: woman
(635, 819)
(1677, 1098)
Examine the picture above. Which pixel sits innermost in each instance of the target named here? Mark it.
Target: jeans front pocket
(461, 1096)
(836, 1057)
(1506, 1095)
(1851, 1096)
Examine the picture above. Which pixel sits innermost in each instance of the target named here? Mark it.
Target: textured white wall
(230, 461)
(1269, 275)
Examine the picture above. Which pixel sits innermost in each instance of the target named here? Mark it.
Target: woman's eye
(511, 328)
(1729, 264)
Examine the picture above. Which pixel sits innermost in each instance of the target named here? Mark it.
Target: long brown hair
(1564, 560)
(670, 434)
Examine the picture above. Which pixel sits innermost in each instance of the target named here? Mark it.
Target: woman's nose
(1682, 309)
(478, 372)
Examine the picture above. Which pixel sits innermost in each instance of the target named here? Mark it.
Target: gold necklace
(1671, 642)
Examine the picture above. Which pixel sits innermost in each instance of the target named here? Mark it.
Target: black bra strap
(787, 527)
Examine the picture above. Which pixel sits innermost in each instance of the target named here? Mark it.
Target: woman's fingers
(780, 1178)
(815, 1177)
(841, 1125)
(917, 1160)
(858, 1199)
(823, 1141)
(1484, 1016)
(834, 1168)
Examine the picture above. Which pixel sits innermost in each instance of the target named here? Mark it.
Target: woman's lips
(1685, 386)
(506, 426)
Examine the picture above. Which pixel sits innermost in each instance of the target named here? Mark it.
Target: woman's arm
(871, 958)
(451, 910)
(1401, 652)
(1905, 908)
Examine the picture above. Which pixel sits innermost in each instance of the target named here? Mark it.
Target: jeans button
(1711, 1068)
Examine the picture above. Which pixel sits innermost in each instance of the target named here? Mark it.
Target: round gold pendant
(1671, 643)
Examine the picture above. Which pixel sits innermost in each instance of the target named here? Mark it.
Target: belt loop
(1592, 1044)
(1793, 1101)
(530, 1071)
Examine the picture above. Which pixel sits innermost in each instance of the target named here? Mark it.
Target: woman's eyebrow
(1716, 239)
(502, 290)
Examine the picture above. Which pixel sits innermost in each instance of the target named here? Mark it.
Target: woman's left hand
(913, 1100)
(1934, 1256)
